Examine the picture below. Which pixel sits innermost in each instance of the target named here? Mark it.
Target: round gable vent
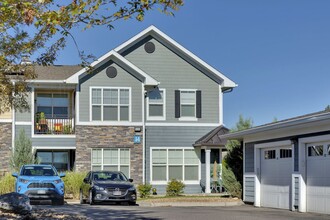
(149, 47)
(111, 72)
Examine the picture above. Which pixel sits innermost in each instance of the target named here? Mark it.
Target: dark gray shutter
(199, 104)
(177, 103)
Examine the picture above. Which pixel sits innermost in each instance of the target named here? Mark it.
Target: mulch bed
(41, 214)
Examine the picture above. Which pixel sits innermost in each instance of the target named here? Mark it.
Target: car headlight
(98, 187)
(23, 180)
(57, 181)
(132, 189)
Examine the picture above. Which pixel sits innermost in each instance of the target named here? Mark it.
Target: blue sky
(277, 51)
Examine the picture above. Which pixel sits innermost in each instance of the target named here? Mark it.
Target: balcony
(53, 126)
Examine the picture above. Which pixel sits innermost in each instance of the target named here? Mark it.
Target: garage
(275, 177)
(318, 177)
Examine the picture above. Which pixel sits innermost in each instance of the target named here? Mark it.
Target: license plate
(41, 192)
(116, 193)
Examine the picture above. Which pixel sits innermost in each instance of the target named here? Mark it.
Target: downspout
(13, 124)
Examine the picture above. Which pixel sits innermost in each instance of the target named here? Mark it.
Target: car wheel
(91, 202)
(81, 199)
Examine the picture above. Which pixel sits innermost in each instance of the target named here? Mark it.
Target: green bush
(174, 188)
(144, 190)
(7, 184)
(230, 183)
(73, 182)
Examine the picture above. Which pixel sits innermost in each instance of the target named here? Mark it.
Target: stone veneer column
(5, 146)
(89, 137)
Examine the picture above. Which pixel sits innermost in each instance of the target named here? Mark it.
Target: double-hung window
(54, 105)
(174, 163)
(110, 104)
(114, 159)
(188, 104)
(156, 105)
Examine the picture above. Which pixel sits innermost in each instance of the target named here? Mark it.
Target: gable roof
(113, 55)
(213, 138)
(225, 82)
(295, 121)
(56, 72)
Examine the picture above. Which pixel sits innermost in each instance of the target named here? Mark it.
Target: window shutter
(177, 103)
(199, 104)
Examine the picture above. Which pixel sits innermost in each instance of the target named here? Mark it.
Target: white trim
(189, 182)
(152, 30)
(109, 123)
(143, 133)
(77, 113)
(23, 123)
(9, 120)
(41, 136)
(274, 144)
(188, 119)
(157, 118)
(220, 105)
(182, 124)
(293, 189)
(54, 148)
(257, 180)
(32, 111)
(208, 170)
(118, 104)
(13, 128)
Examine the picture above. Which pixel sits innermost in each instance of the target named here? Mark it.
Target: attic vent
(149, 47)
(111, 72)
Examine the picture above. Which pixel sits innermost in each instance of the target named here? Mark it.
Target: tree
(23, 152)
(42, 27)
(233, 161)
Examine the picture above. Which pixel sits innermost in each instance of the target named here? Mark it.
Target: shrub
(230, 182)
(174, 188)
(73, 182)
(144, 190)
(7, 184)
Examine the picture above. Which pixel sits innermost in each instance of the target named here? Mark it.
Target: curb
(188, 204)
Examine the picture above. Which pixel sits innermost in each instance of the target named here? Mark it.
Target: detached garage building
(287, 163)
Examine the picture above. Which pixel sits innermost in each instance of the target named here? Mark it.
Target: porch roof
(55, 72)
(213, 138)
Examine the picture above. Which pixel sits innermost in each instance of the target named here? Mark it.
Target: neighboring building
(140, 111)
(286, 163)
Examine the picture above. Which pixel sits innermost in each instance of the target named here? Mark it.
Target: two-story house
(149, 108)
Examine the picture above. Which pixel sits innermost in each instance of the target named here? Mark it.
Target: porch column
(208, 170)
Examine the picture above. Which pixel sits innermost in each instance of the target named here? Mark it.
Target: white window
(156, 105)
(53, 105)
(110, 104)
(112, 159)
(174, 163)
(188, 103)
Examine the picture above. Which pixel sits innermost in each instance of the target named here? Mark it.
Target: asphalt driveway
(243, 212)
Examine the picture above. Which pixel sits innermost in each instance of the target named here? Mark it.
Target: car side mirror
(130, 180)
(62, 175)
(14, 175)
(86, 180)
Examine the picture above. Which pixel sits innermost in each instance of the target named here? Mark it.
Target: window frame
(167, 165)
(102, 164)
(52, 103)
(102, 104)
(157, 118)
(194, 104)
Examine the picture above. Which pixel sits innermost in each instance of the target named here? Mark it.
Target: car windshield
(38, 171)
(109, 176)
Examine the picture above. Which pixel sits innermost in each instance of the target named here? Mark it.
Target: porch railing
(54, 126)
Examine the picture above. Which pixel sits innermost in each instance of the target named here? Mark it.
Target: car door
(86, 185)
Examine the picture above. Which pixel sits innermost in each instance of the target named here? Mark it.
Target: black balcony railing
(54, 126)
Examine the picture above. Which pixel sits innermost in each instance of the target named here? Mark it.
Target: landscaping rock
(15, 203)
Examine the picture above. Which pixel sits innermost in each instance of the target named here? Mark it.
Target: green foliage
(7, 184)
(73, 181)
(174, 188)
(23, 153)
(232, 165)
(144, 190)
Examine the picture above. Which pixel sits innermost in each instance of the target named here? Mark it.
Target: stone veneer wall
(5, 146)
(88, 137)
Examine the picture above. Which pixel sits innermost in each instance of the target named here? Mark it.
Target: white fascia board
(113, 55)
(152, 30)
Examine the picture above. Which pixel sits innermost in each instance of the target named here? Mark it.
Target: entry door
(276, 169)
(318, 178)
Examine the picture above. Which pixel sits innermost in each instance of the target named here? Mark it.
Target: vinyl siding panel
(26, 128)
(174, 137)
(249, 189)
(123, 79)
(249, 158)
(189, 189)
(24, 115)
(173, 73)
(296, 191)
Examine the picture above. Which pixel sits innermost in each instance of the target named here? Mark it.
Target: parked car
(40, 182)
(107, 186)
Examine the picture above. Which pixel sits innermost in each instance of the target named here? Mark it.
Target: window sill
(188, 119)
(156, 118)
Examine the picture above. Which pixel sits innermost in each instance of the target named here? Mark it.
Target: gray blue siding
(123, 79)
(249, 158)
(173, 73)
(296, 191)
(249, 189)
(24, 115)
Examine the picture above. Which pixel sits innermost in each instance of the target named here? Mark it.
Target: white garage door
(276, 169)
(318, 178)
